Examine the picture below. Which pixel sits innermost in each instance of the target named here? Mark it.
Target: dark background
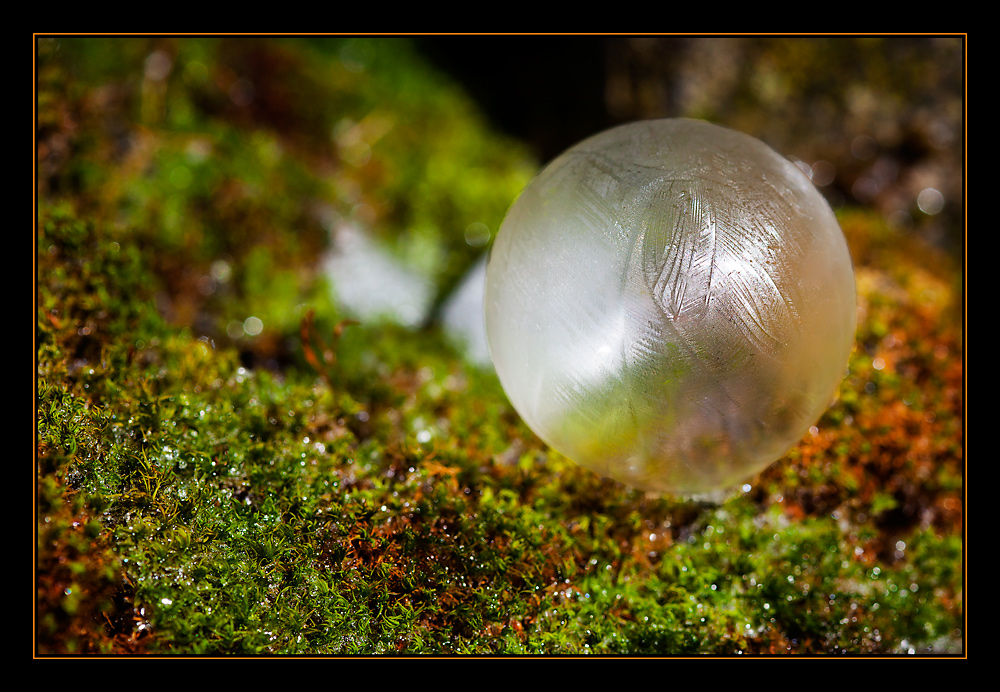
(885, 114)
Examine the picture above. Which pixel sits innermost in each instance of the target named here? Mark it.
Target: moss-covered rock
(315, 485)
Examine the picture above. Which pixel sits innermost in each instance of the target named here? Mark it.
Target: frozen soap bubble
(671, 304)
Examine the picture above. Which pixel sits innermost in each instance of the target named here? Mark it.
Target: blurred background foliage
(876, 119)
(235, 159)
(367, 132)
(214, 435)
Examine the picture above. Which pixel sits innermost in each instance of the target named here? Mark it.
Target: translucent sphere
(671, 304)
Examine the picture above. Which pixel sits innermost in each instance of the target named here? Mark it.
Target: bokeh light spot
(823, 173)
(864, 189)
(253, 326)
(930, 201)
(477, 234)
(158, 66)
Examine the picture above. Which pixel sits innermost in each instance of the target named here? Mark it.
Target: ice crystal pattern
(671, 304)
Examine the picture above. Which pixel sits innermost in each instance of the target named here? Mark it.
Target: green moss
(324, 487)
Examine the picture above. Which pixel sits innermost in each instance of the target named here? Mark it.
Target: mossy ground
(328, 487)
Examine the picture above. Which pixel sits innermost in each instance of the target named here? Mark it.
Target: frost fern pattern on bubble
(683, 304)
